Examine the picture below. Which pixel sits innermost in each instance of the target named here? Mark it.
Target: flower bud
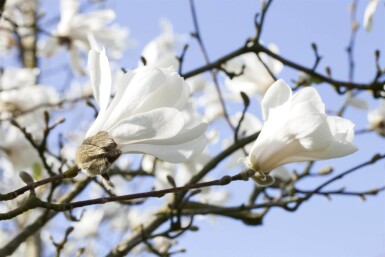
(97, 153)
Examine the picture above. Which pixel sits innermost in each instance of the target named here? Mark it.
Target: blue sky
(342, 227)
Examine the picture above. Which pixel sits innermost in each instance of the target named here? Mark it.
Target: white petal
(275, 96)
(369, 13)
(100, 76)
(173, 93)
(185, 135)
(148, 88)
(277, 146)
(162, 123)
(171, 153)
(307, 100)
(274, 65)
(94, 20)
(49, 47)
(68, 9)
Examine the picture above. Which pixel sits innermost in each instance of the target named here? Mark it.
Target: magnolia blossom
(369, 13)
(17, 12)
(376, 119)
(22, 99)
(12, 78)
(297, 129)
(209, 100)
(17, 150)
(162, 51)
(28, 98)
(89, 224)
(74, 29)
(143, 117)
(250, 125)
(251, 76)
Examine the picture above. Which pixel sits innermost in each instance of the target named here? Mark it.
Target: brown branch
(34, 202)
(373, 160)
(352, 40)
(259, 24)
(376, 87)
(70, 173)
(342, 191)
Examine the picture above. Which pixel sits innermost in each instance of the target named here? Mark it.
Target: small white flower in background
(306, 80)
(163, 244)
(162, 51)
(17, 150)
(145, 116)
(297, 129)
(210, 101)
(250, 124)
(138, 217)
(369, 13)
(20, 94)
(73, 30)
(13, 78)
(280, 175)
(17, 12)
(14, 102)
(356, 102)
(376, 119)
(255, 78)
(197, 83)
(88, 226)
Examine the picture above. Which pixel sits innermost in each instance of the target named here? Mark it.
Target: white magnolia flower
(16, 12)
(143, 117)
(74, 29)
(23, 99)
(209, 100)
(369, 13)
(14, 102)
(162, 51)
(17, 150)
(197, 83)
(297, 129)
(88, 226)
(376, 119)
(138, 217)
(163, 244)
(254, 78)
(356, 102)
(13, 78)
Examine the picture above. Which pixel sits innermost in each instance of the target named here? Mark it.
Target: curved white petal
(171, 153)
(100, 76)
(148, 88)
(158, 124)
(369, 13)
(68, 10)
(276, 95)
(307, 100)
